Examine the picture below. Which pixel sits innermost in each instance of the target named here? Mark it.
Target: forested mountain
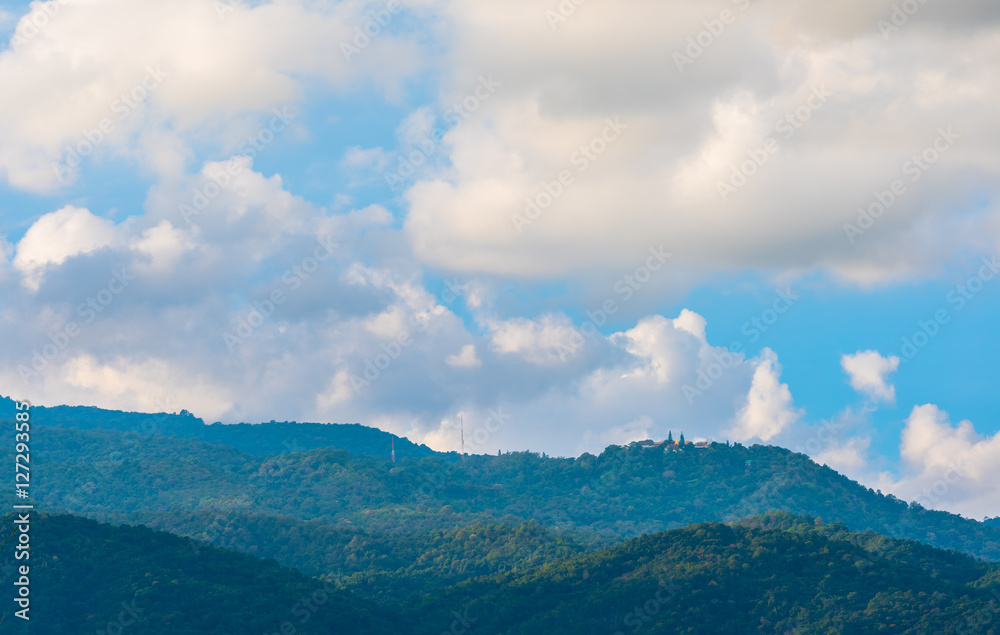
(260, 439)
(771, 574)
(624, 492)
(380, 565)
(636, 539)
(89, 577)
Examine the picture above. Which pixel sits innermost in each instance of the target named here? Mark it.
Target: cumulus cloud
(769, 408)
(354, 336)
(868, 371)
(58, 236)
(858, 105)
(947, 466)
(465, 358)
(548, 340)
(121, 62)
(664, 345)
(592, 143)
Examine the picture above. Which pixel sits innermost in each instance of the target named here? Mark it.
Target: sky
(561, 225)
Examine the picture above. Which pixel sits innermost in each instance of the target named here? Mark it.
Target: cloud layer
(617, 151)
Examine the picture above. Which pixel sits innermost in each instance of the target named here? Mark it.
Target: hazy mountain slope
(259, 438)
(623, 493)
(386, 565)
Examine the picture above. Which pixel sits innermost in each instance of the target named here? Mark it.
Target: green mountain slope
(381, 565)
(259, 439)
(623, 493)
(90, 577)
(714, 578)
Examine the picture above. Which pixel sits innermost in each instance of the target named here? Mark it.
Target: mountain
(90, 577)
(377, 565)
(715, 539)
(259, 439)
(778, 574)
(623, 493)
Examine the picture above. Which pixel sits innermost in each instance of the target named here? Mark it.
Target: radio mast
(462, 420)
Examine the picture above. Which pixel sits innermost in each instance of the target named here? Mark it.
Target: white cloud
(637, 430)
(163, 244)
(338, 394)
(214, 83)
(365, 162)
(549, 340)
(340, 325)
(849, 456)
(653, 183)
(692, 323)
(142, 385)
(465, 358)
(868, 371)
(58, 236)
(666, 346)
(769, 409)
(947, 467)
(884, 101)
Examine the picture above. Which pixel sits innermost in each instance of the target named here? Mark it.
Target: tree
(681, 440)
(670, 438)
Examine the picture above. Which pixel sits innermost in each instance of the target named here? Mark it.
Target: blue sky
(449, 295)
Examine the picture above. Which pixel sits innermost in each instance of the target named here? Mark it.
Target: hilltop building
(672, 446)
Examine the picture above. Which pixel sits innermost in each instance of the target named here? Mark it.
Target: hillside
(83, 573)
(783, 575)
(775, 573)
(378, 564)
(260, 439)
(623, 493)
